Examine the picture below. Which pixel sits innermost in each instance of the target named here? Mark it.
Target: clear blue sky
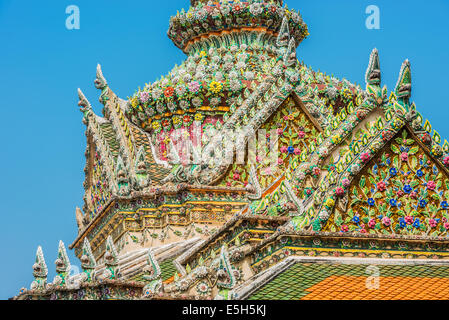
(42, 64)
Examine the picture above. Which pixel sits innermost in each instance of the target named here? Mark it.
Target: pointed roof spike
(83, 102)
(122, 176)
(40, 269)
(140, 163)
(403, 89)
(62, 262)
(141, 155)
(100, 82)
(226, 267)
(153, 269)
(120, 165)
(111, 255)
(284, 33)
(87, 259)
(290, 55)
(373, 74)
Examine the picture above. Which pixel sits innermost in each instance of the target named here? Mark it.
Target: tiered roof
(336, 281)
(360, 174)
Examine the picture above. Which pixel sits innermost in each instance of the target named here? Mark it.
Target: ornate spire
(284, 34)
(100, 81)
(40, 271)
(101, 84)
(290, 55)
(140, 168)
(86, 107)
(63, 266)
(152, 270)
(111, 260)
(403, 88)
(122, 177)
(373, 75)
(88, 262)
(226, 277)
(83, 102)
(153, 275)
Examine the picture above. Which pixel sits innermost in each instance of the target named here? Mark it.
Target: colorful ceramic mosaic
(402, 191)
(358, 174)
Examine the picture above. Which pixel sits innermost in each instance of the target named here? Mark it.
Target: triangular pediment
(283, 142)
(403, 189)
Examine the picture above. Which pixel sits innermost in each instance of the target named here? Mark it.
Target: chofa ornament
(40, 271)
(152, 275)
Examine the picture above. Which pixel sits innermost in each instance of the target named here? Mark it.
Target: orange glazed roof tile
(355, 282)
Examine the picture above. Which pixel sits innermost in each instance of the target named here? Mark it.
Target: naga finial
(122, 177)
(153, 275)
(226, 277)
(40, 271)
(88, 263)
(142, 179)
(152, 270)
(100, 82)
(83, 102)
(111, 260)
(63, 266)
(373, 75)
(290, 54)
(403, 89)
(284, 34)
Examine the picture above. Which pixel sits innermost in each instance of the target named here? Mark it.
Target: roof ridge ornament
(284, 33)
(373, 73)
(111, 261)
(153, 275)
(403, 89)
(290, 55)
(88, 263)
(121, 174)
(373, 79)
(86, 107)
(40, 271)
(226, 276)
(141, 178)
(100, 81)
(101, 84)
(63, 266)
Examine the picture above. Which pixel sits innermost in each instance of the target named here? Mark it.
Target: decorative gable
(297, 136)
(402, 190)
(98, 191)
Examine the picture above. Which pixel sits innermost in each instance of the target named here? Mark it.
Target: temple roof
(120, 157)
(212, 81)
(360, 175)
(338, 281)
